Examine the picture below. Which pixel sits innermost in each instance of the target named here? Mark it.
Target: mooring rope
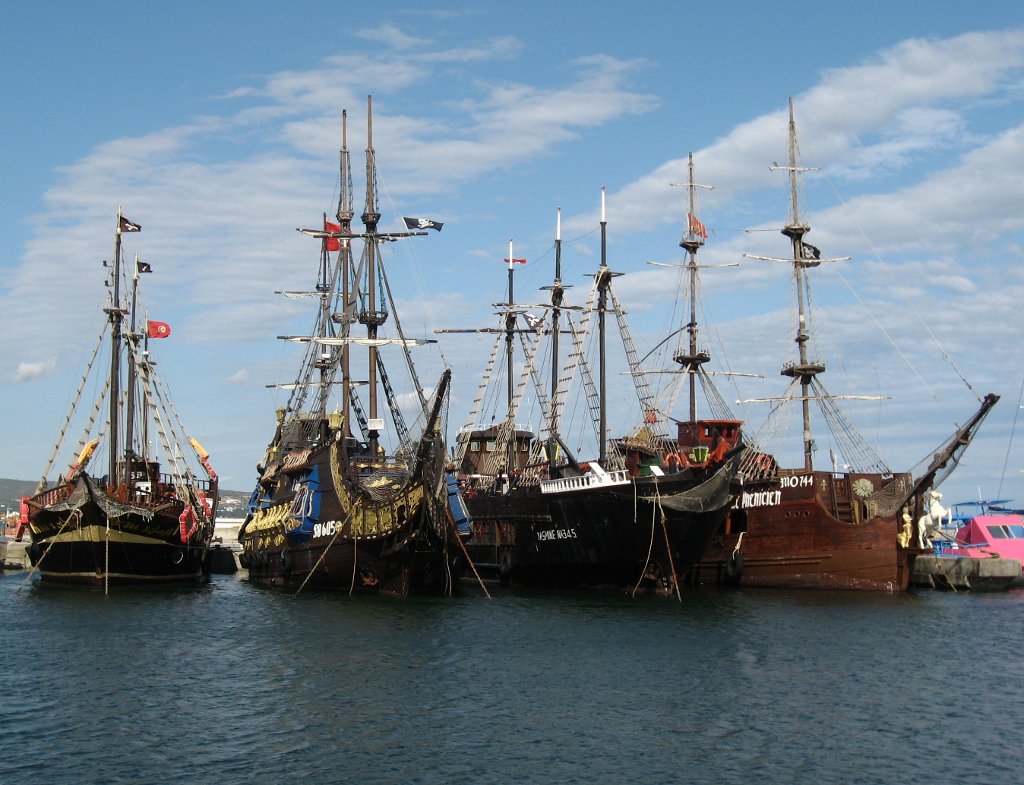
(106, 559)
(35, 567)
(319, 561)
(668, 547)
(650, 545)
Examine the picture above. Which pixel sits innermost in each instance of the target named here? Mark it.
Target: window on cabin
(997, 532)
(474, 446)
(1016, 531)
(490, 445)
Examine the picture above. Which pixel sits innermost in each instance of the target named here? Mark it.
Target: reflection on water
(228, 683)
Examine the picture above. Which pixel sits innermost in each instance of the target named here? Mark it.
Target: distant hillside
(232, 503)
(11, 492)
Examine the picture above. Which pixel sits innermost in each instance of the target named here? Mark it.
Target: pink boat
(988, 537)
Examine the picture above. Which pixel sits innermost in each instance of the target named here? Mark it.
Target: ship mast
(510, 328)
(691, 240)
(327, 363)
(804, 370)
(130, 406)
(557, 293)
(604, 280)
(115, 314)
(344, 216)
(371, 317)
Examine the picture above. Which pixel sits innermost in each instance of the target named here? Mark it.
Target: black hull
(85, 536)
(646, 533)
(92, 563)
(396, 540)
(365, 566)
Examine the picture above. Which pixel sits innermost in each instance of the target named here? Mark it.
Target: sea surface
(229, 683)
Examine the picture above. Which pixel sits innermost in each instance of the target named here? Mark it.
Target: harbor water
(227, 683)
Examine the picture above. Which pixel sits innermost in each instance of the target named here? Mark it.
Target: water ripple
(228, 684)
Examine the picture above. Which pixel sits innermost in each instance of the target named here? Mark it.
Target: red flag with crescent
(158, 329)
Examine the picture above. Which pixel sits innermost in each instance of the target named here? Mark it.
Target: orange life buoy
(187, 515)
(673, 461)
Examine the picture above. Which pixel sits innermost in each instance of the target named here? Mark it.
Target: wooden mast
(805, 371)
(691, 240)
(371, 317)
(604, 279)
(129, 436)
(557, 293)
(114, 313)
(510, 325)
(344, 216)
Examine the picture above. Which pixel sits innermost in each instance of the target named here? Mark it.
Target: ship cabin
(700, 438)
(142, 474)
(482, 444)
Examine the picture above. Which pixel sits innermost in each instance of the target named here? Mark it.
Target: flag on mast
(333, 243)
(124, 225)
(422, 223)
(157, 329)
(808, 251)
(696, 227)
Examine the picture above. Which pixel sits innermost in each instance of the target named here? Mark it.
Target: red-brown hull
(789, 537)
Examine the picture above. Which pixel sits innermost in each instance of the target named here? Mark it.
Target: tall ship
(855, 524)
(138, 502)
(350, 495)
(636, 515)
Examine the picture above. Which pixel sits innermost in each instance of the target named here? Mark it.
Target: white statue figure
(932, 519)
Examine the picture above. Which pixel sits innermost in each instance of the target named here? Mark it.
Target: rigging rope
(1009, 445)
(462, 439)
(74, 407)
(910, 304)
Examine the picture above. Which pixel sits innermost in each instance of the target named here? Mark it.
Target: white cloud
(38, 370)
(933, 214)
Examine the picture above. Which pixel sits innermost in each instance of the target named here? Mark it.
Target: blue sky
(218, 131)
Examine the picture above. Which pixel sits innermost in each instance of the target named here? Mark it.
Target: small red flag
(516, 261)
(697, 227)
(158, 329)
(333, 243)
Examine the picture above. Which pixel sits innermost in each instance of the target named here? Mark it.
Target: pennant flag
(128, 226)
(808, 251)
(515, 261)
(158, 329)
(422, 223)
(696, 227)
(143, 267)
(333, 243)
